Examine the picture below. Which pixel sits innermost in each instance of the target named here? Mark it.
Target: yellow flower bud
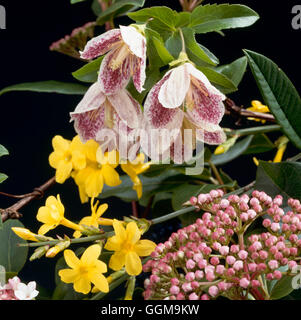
(25, 234)
(52, 252)
(219, 150)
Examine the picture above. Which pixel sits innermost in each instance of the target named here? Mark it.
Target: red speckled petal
(111, 80)
(212, 138)
(101, 44)
(139, 75)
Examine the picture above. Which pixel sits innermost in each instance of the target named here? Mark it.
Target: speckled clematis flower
(126, 58)
(97, 112)
(185, 99)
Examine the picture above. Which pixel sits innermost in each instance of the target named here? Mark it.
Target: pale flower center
(120, 55)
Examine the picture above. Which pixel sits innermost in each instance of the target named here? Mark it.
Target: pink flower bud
(292, 265)
(205, 297)
(174, 290)
(242, 254)
(244, 283)
(244, 217)
(175, 281)
(214, 261)
(220, 269)
(180, 296)
(263, 255)
(238, 265)
(190, 276)
(199, 274)
(193, 296)
(190, 264)
(266, 223)
(213, 291)
(224, 250)
(252, 267)
(255, 283)
(230, 260)
(273, 264)
(186, 287)
(275, 227)
(277, 274)
(193, 201)
(234, 248)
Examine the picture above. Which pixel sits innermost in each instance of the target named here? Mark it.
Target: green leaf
(3, 151)
(237, 150)
(279, 178)
(3, 177)
(174, 44)
(183, 19)
(216, 17)
(89, 72)
(235, 70)
(219, 79)
(196, 50)
(164, 15)
(1, 223)
(282, 288)
(279, 94)
(48, 86)
(76, 1)
(12, 257)
(260, 144)
(96, 8)
(118, 8)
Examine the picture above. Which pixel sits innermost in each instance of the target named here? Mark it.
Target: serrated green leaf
(48, 87)
(12, 257)
(3, 151)
(118, 8)
(89, 72)
(282, 288)
(260, 144)
(195, 49)
(164, 15)
(235, 70)
(279, 94)
(279, 178)
(237, 150)
(214, 17)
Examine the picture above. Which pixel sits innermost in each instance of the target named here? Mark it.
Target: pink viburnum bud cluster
(16, 290)
(213, 257)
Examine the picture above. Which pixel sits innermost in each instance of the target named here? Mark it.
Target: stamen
(197, 84)
(109, 121)
(120, 55)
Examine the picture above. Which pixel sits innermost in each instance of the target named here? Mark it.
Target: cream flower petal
(212, 138)
(174, 89)
(101, 44)
(134, 39)
(133, 265)
(139, 76)
(91, 254)
(71, 259)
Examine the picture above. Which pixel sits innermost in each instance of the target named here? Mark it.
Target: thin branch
(135, 209)
(13, 211)
(148, 208)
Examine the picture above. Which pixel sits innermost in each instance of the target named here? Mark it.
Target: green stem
(183, 40)
(73, 241)
(172, 215)
(255, 130)
(216, 173)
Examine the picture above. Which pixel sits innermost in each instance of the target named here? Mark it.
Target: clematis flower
(67, 155)
(26, 292)
(185, 99)
(128, 248)
(95, 218)
(100, 170)
(100, 117)
(52, 215)
(86, 270)
(126, 58)
(133, 169)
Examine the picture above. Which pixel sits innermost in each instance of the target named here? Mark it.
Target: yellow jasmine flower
(94, 219)
(281, 144)
(100, 170)
(25, 234)
(67, 155)
(52, 215)
(128, 248)
(257, 106)
(133, 169)
(86, 270)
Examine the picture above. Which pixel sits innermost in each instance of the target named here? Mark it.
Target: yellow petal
(94, 183)
(111, 176)
(132, 232)
(101, 210)
(24, 234)
(63, 171)
(44, 215)
(133, 265)
(60, 144)
(138, 187)
(100, 282)
(68, 275)
(78, 160)
(91, 147)
(71, 259)
(129, 170)
(144, 248)
(114, 243)
(117, 261)
(119, 230)
(82, 285)
(45, 228)
(101, 267)
(91, 254)
(55, 158)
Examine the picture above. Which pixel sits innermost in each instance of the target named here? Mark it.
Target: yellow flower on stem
(128, 248)
(133, 169)
(257, 106)
(86, 270)
(52, 215)
(94, 219)
(67, 155)
(100, 170)
(25, 234)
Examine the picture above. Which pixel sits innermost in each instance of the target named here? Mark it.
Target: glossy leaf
(12, 257)
(3, 151)
(89, 72)
(76, 1)
(3, 177)
(118, 8)
(279, 94)
(260, 144)
(237, 150)
(48, 87)
(282, 288)
(216, 17)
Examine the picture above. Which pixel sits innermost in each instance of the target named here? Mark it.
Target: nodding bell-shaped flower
(126, 58)
(98, 112)
(185, 99)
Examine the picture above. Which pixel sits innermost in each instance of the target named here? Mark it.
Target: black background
(29, 120)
